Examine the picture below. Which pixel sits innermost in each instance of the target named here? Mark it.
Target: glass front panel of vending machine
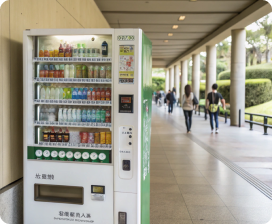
(68, 164)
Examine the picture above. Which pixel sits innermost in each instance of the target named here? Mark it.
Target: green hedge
(258, 91)
(251, 73)
(158, 83)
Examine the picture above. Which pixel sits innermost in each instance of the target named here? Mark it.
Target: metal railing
(264, 124)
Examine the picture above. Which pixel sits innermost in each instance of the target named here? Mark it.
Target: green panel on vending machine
(146, 128)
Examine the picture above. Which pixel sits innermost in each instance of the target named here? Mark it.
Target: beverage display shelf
(70, 59)
(73, 80)
(73, 124)
(74, 146)
(74, 102)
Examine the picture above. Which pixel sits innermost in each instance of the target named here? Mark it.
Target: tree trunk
(267, 53)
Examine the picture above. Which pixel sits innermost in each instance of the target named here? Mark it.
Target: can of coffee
(108, 138)
(96, 138)
(102, 137)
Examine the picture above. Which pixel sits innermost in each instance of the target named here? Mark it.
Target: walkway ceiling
(203, 19)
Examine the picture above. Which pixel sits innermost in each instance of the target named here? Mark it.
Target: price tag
(40, 143)
(35, 59)
(74, 80)
(92, 102)
(46, 101)
(61, 80)
(46, 143)
(65, 80)
(96, 145)
(98, 102)
(42, 101)
(88, 124)
(84, 124)
(74, 101)
(79, 124)
(104, 59)
(93, 59)
(98, 59)
(92, 145)
(70, 101)
(59, 144)
(47, 80)
(89, 59)
(69, 123)
(79, 59)
(50, 143)
(66, 59)
(88, 145)
(84, 101)
(88, 80)
(61, 59)
(97, 80)
(51, 59)
(102, 102)
(60, 101)
(104, 146)
(103, 124)
(35, 100)
(54, 143)
(83, 80)
(108, 59)
(70, 80)
(42, 79)
(65, 123)
(92, 80)
(60, 123)
(51, 101)
(56, 59)
(98, 124)
(40, 59)
(42, 122)
(45, 59)
(79, 102)
(51, 80)
(91, 124)
(84, 59)
(75, 59)
(79, 80)
(70, 59)
(64, 101)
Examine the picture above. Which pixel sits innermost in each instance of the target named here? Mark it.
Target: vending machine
(87, 124)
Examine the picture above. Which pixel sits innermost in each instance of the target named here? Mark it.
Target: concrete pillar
(176, 84)
(196, 75)
(171, 70)
(210, 68)
(237, 77)
(184, 77)
(166, 80)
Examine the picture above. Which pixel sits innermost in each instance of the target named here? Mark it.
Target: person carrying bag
(212, 102)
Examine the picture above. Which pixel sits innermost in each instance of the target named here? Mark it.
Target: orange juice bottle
(103, 94)
(45, 68)
(98, 94)
(41, 54)
(108, 94)
(46, 53)
(56, 53)
(51, 53)
(51, 71)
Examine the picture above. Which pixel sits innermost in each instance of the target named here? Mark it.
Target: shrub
(158, 83)
(258, 91)
(251, 73)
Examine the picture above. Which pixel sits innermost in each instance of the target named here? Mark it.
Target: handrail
(264, 124)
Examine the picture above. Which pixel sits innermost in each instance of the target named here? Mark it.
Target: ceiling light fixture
(165, 41)
(192, 0)
(170, 34)
(181, 18)
(175, 27)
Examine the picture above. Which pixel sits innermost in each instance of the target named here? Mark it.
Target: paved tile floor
(189, 185)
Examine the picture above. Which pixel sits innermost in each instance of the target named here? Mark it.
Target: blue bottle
(79, 94)
(93, 115)
(84, 115)
(89, 115)
(84, 94)
(104, 49)
(74, 94)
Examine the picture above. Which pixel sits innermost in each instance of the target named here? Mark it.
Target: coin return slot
(59, 194)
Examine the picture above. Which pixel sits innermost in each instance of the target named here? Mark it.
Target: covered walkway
(204, 178)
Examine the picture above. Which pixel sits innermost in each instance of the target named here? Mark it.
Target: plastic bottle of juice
(46, 73)
(60, 117)
(41, 53)
(108, 94)
(66, 71)
(56, 53)
(69, 115)
(84, 50)
(64, 115)
(61, 72)
(42, 92)
(75, 52)
(72, 71)
(93, 94)
(56, 71)
(93, 119)
(52, 93)
(89, 115)
(51, 71)
(41, 73)
(69, 93)
(84, 94)
(51, 53)
(98, 115)
(98, 95)
(61, 51)
(74, 114)
(60, 93)
(103, 116)
(74, 94)
(89, 94)
(103, 94)
(47, 92)
(80, 50)
(78, 116)
(79, 94)
(46, 53)
(67, 51)
(84, 115)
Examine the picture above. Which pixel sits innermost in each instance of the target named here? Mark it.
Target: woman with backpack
(188, 101)
(213, 107)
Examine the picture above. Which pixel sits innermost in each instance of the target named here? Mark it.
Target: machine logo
(126, 38)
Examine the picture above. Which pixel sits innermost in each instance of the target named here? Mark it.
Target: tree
(253, 38)
(266, 30)
(223, 49)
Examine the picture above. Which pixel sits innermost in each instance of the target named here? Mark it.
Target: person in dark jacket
(170, 98)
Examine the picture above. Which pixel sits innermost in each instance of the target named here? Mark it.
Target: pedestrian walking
(212, 102)
(170, 101)
(188, 106)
